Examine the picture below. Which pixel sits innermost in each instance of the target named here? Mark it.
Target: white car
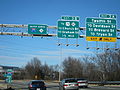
(68, 84)
(82, 82)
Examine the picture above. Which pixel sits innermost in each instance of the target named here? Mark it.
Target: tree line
(103, 66)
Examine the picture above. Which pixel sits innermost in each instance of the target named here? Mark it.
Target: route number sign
(37, 29)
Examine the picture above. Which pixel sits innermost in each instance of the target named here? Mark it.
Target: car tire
(59, 88)
(45, 89)
(63, 88)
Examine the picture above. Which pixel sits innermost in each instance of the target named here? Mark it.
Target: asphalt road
(89, 88)
(55, 86)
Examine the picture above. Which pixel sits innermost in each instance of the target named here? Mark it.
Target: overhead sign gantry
(102, 28)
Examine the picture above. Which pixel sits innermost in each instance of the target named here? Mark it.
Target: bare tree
(72, 68)
(34, 68)
(89, 68)
(45, 70)
(102, 66)
(108, 64)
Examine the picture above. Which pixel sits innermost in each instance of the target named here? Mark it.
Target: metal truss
(21, 30)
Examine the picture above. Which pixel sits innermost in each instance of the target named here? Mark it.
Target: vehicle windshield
(81, 79)
(70, 81)
(38, 83)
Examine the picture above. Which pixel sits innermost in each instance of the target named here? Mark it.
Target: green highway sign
(101, 20)
(108, 16)
(37, 29)
(74, 18)
(68, 29)
(101, 29)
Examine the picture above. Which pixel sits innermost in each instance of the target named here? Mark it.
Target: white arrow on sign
(41, 30)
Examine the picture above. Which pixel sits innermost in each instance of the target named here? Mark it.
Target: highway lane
(89, 88)
(55, 86)
(52, 86)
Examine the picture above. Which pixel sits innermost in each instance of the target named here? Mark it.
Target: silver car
(82, 82)
(68, 84)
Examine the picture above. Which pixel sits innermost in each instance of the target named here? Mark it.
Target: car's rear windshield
(70, 81)
(81, 79)
(38, 83)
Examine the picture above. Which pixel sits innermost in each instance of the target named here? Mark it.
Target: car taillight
(30, 85)
(65, 85)
(76, 84)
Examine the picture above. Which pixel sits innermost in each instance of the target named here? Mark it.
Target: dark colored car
(68, 84)
(36, 85)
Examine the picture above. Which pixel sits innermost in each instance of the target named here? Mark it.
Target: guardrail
(100, 82)
(104, 82)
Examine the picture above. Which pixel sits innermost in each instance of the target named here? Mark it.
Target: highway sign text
(37, 29)
(101, 29)
(68, 29)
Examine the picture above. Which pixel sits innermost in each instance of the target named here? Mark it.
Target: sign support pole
(60, 63)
